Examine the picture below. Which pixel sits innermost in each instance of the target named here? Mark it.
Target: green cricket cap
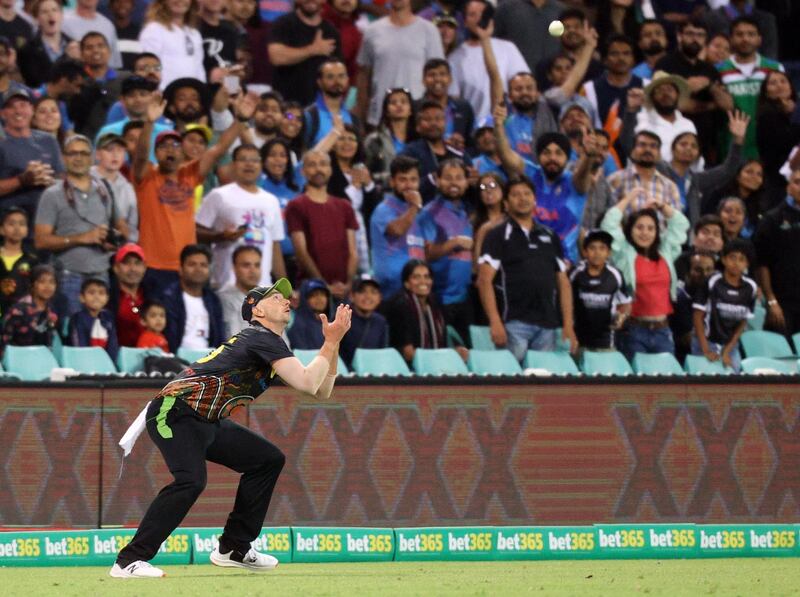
(282, 286)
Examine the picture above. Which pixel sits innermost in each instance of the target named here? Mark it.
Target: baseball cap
(577, 102)
(363, 280)
(128, 249)
(597, 234)
(445, 20)
(196, 127)
(109, 139)
(16, 92)
(167, 135)
(259, 292)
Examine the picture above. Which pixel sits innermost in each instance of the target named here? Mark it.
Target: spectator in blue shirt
(94, 325)
(529, 114)
(560, 194)
(333, 84)
(459, 117)
(279, 179)
(447, 231)
(368, 328)
(487, 160)
(395, 235)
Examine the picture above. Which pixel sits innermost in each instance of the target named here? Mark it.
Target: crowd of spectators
(630, 184)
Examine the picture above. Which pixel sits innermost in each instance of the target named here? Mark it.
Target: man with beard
(577, 31)
(660, 113)
(268, 118)
(743, 73)
(560, 194)
(431, 149)
(166, 192)
(90, 108)
(471, 83)
(487, 159)
(187, 102)
(300, 42)
(708, 99)
(333, 84)
(653, 46)
(459, 118)
(323, 229)
(642, 173)
(720, 19)
(447, 231)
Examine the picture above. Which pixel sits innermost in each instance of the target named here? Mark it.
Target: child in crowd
(701, 265)
(723, 305)
(601, 301)
(368, 328)
(306, 331)
(154, 320)
(15, 263)
(94, 325)
(32, 321)
(709, 236)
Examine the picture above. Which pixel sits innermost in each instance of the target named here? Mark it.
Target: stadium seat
(87, 359)
(700, 365)
(662, 363)
(481, 338)
(30, 363)
(306, 356)
(379, 361)
(454, 338)
(438, 361)
(557, 362)
(761, 364)
(131, 360)
(57, 346)
(493, 362)
(758, 343)
(757, 321)
(605, 363)
(6, 375)
(796, 342)
(192, 354)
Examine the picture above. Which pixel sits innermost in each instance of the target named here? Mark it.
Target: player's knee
(194, 484)
(276, 460)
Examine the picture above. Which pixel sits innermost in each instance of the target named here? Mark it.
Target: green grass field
(746, 577)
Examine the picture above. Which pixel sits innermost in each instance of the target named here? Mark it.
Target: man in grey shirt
(525, 22)
(247, 270)
(73, 222)
(392, 54)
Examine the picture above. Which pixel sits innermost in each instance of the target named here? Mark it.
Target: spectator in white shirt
(171, 34)
(247, 273)
(84, 19)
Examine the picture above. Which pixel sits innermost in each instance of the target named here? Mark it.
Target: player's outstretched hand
(335, 330)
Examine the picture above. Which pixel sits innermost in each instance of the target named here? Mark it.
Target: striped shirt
(660, 188)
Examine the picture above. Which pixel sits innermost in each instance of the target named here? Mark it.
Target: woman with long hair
(395, 130)
(35, 58)
(293, 129)
(171, 34)
(47, 118)
(777, 127)
(489, 211)
(747, 185)
(733, 213)
(279, 179)
(646, 260)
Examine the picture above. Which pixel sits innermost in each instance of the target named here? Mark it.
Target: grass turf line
(746, 576)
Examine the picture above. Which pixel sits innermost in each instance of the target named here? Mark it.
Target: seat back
(700, 365)
(481, 337)
(493, 362)
(87, 359)
(379, 361)
(605, 363)
(438, 361)
(306, 356)
(193, 354)
(30, 363)
(662, 363)
(759, 343)
(131, 360)
(754, 365)
(557, 362)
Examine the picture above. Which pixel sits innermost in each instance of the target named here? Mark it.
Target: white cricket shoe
(137, 569)
(252, 560)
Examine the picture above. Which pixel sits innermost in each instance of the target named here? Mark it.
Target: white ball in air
(556, 28)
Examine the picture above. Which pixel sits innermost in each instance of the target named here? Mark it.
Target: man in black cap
(29, 159)
(599, 294)
(188, 421)
(370, 328)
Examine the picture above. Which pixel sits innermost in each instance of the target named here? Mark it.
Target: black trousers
(186, 442)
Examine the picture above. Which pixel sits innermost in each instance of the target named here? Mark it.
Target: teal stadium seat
(700, 365)
(8, 376)
(758, 343)
(379, 361)
(796, 342)
(481, 337)
(193, 354)
(306, 356)
(605, 363)
(30, 363)
(558, 362)
(454, 338)
(662, 363)
(493, 362)
(131, 360)
(87, 359)
(753, 364)
(438, 361)
(759, 316)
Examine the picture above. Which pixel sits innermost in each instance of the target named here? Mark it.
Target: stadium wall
(414, 453)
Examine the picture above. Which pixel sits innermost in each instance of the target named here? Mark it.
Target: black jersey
(234, 374)
(725, 306)
(596, 299)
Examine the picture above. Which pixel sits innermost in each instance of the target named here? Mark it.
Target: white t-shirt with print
(196, 330)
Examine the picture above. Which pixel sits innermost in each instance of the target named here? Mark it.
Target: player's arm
(318, 377)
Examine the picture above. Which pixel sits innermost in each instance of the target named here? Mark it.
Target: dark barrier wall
(406, 455)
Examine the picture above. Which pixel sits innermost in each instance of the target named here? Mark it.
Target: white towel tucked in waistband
(133, 432)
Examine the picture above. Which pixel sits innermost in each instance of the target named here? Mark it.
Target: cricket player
(188, 421)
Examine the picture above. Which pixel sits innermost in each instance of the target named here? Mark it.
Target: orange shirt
(166, 214)
(148, 339)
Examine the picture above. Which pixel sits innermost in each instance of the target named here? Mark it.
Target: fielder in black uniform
(188, 421)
